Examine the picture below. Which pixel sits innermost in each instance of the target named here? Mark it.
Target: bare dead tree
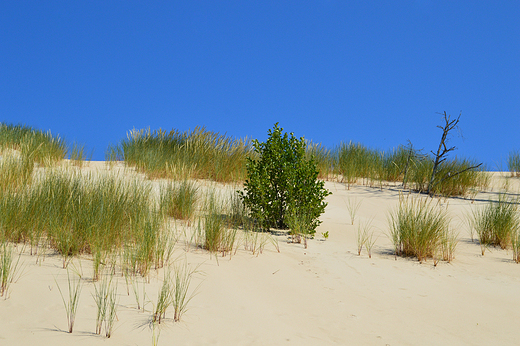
(443, 151)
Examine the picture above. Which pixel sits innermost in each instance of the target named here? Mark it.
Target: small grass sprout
(181, 295)
(72, 300)
(9, 267)
(105, 297)
(365, 238)
(353, 206)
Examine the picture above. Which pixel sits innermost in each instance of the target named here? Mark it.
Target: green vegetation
(42, 147)
(219, 233)
(15, 171)
(179, 199)
(513, 163)
(71, 302)
(9, 267)
(197, 154)
(282, 182)
(365, 238)
(420, 229)
(497, 223)
(105, 298)
(79, 213)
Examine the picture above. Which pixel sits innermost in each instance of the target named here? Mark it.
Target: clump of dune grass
(42, 147)
(300, 226)
(15, 171)
(419, 227)
(515, 245)
(78, 213)
(219, 236)
(179, 200)
(9, 267)
(365, 238)
(513, 163)
(181, 294)
(164, 299)
(72, 300)
(198, 154)
(323, 158)
(105, 295)
(497, 223)
(352, 207)
(448, 181)
(78, 155)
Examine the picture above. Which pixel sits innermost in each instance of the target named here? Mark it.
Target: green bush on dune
(282, 185)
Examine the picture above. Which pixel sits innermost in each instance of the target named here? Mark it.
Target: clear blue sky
(375, 72)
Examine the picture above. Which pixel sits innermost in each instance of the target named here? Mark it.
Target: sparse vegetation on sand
(513, 163)
(197, 154)
(497, 223)
(41, 147)
(419, 227)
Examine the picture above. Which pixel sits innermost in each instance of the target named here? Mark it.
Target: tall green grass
(81, 213)
(179, 199)
(42, 147)
(354, 162)
(419, 228)
(198, 154)
(15, 171)
(497, 223)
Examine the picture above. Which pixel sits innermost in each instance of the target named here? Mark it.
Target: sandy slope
(322, 295)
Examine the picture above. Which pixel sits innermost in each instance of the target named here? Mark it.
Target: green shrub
(283, 182)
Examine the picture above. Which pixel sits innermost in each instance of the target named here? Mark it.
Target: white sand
(322, 295)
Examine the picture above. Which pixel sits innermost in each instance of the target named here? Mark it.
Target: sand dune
(323, 295)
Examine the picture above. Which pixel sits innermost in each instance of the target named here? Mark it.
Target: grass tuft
(419, 228)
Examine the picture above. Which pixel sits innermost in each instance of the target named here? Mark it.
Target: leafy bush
(282, 182)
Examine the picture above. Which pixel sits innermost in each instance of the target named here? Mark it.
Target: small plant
(282, 181)
(78, 155)
(105, 298)
(497, 223)
(179, 200)
(418, 228)
(8, 268)
(164, 299)
(513, 163)
(515, 244)
(325, 235)
(71, 303)
(218, 237)
(353, 207)
(300, 226)
(180, 290)
(365, 238)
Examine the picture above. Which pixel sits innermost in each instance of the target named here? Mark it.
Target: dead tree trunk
(442, 151)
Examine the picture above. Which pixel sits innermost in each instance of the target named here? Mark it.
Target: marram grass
(198, 154)
(419, 227)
